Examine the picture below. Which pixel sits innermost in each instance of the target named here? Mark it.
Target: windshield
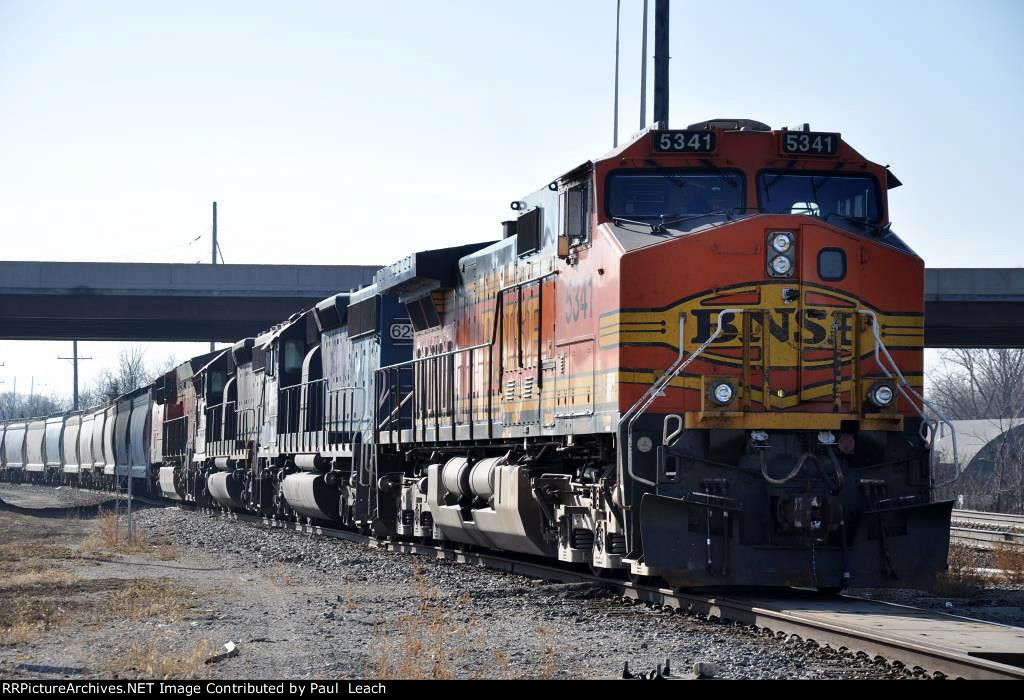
(850, 196)
(646, 195)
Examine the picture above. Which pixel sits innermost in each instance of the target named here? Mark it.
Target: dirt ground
(78, 601)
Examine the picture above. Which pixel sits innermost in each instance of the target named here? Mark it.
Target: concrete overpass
(974, 307)
(965, 307)
(158, 301)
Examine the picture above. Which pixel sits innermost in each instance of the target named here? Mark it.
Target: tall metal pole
(615, 127)
(74, 364)
(643, 74)
(661, 62)
(213, 249)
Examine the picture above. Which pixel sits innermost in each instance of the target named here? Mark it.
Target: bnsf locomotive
(696, 358)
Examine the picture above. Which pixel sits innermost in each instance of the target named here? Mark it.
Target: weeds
(24, 618)
(151, 598)
(422, 645)
(280, 576)
(548, 657)
(961, 578)
(438, 642)
(167, 552)
(149, 660)
(29, 602)
(1009, 558)
(24, 553)
(107, 536)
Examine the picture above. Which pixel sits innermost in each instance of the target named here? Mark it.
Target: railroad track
(939, 643)
(985, 530)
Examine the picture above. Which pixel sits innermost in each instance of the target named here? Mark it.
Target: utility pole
(213, 250)
(74, 363)
(643, 74)
(615, 119)
(661, 13)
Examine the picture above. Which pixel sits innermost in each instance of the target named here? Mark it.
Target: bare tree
(24, 406)
(987, 387)
(130, 373)
(975, 384)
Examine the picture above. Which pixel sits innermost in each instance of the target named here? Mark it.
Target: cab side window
(576, 205)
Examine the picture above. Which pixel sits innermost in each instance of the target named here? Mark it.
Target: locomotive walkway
(965, 307)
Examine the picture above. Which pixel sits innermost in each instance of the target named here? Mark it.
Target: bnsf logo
(805, 326)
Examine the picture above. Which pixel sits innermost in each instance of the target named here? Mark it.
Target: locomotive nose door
(829, 267)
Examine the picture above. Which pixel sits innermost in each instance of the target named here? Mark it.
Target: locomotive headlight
(781, 265)
(781, 242)
(882, 395)
(722, 393)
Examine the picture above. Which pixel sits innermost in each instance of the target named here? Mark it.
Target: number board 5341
(810, 143)
(681, 141)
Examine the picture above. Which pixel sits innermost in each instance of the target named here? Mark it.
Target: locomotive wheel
(599, 571)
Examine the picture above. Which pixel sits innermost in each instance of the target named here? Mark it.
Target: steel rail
(985, 539)
(978, 517)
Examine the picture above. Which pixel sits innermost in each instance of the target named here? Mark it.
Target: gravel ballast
(304, 606)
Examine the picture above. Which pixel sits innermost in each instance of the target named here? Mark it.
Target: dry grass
(279, 576)
(110, 536)
(422, 645)
(961, 578)
(24, 619)
(31, 582)
(1010, 559)
(150, 660)
(29, 554)
(167, 552)
(30, 602)
(437, 642)
(157, 599)
(40, 577)
(548, 657)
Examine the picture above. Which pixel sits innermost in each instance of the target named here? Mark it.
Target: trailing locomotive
(697, 358)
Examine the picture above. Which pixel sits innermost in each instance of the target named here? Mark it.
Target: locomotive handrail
(330, 417)
(654, 391)
(903, 386)
(456, 351)
(298, 438)
(250, 433)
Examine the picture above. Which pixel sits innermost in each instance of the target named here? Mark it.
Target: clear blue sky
(343, 132)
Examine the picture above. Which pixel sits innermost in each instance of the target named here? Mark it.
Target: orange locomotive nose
(799, 338)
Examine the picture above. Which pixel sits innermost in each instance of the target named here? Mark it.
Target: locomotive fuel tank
(226, 489)
(311, 495)
(497, 509)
